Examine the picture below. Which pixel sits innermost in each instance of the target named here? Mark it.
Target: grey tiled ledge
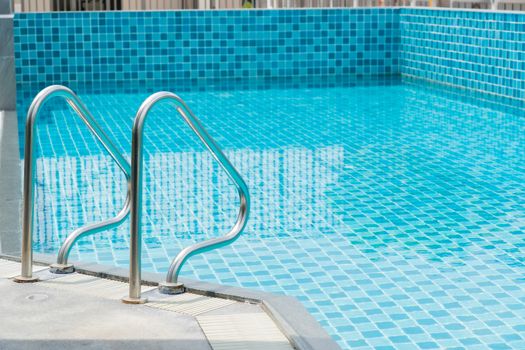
(296, 323)
(5, 6)
(7, 63)
(6, 33)
(7, 84)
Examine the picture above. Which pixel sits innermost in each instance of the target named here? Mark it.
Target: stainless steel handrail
(29, 179)
(171, 286)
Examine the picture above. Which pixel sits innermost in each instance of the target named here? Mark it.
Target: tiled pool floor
(395, 213)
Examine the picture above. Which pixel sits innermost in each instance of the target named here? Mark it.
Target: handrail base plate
(22, 279)
(171, 288)
(129, 300)
(62, 269)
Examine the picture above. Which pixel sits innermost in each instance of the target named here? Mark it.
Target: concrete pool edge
(290, 316)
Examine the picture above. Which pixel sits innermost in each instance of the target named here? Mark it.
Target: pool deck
(84, 309)
(66, 311)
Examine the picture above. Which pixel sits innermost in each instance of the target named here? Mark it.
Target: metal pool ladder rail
(171, 286)
(29, 179)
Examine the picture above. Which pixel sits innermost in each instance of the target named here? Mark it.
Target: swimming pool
(393, 210)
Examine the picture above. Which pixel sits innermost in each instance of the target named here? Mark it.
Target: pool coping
(297, 324)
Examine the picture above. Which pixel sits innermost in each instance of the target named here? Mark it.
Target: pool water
(394, 211)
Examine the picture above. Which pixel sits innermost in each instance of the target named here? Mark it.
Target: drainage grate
(190, 304)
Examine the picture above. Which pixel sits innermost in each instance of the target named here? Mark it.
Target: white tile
(243, 331)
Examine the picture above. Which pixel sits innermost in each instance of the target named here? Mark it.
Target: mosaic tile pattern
(96, 47)
(480, 50)
(483, 51)
(394, 213)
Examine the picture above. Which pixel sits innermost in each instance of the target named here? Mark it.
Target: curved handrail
(136, 192)
(29, 178)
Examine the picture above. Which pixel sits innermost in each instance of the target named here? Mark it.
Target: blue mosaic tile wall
(477, 50)
(119, 47)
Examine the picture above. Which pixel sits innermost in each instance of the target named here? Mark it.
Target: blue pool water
(393, 211)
